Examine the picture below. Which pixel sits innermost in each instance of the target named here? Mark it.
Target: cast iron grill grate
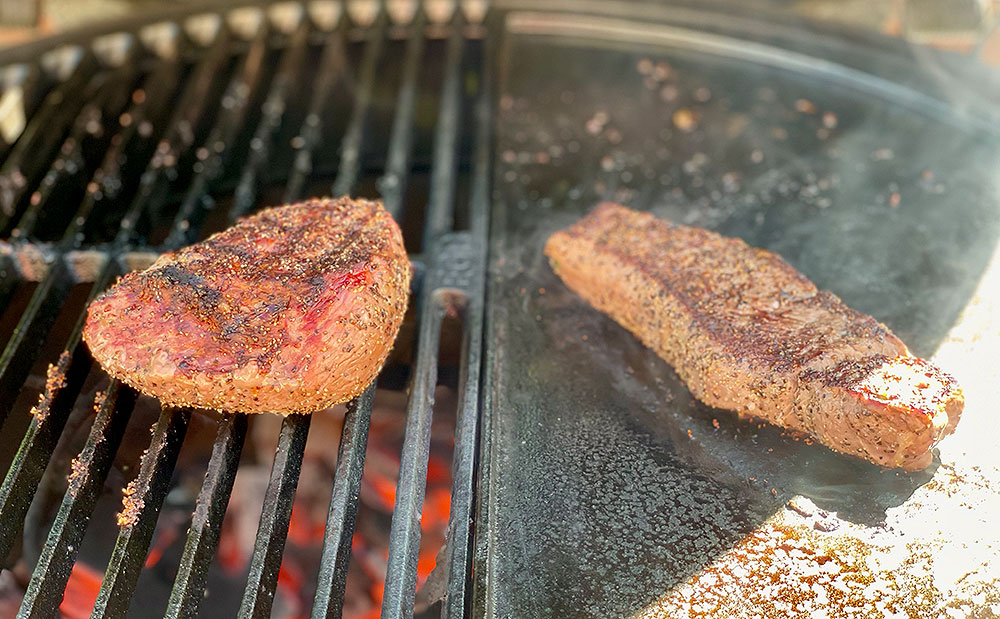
(146, 140)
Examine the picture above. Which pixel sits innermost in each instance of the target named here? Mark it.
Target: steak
(747, 332)
(289, 311)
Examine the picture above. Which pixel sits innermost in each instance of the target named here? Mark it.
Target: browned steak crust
(747, 332)
(291, 310)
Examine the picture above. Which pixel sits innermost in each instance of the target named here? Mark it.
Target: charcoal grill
(125, 155)
(586, 480)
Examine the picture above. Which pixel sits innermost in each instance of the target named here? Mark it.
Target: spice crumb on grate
(131, 505)
(54, 381)
(77, 476)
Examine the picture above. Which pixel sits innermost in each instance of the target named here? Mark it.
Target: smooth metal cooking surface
(609, 490)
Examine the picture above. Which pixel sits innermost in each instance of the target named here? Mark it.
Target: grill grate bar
(25, 343)
(467, 424)
(143, 498)
(183, 131)
(203, 534)
(482, 161)
(404, 536)
(340, 521)
(463, 466)
(350, 148)
(276, 511)
(341, 517)
(447, 259)
(440, 206)
(331, 70)
(129, 147)
(392, 184)
(42, 311)
(43, 432)
(275, 105)
(90, 468)
(274, 517)
(48, 418)
(107, 97)
(8, 279)
(44, 132)
(219, 145)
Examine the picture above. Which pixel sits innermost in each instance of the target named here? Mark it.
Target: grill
(126, 154)
(585, 480)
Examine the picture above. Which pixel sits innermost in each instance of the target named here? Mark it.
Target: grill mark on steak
(245, 323)
(279, 302)
(748, 332)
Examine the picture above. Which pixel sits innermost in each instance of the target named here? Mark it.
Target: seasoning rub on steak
(289, 311)
(747, 332)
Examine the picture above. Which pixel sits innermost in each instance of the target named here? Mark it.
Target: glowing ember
(81, 592)
(300, 562)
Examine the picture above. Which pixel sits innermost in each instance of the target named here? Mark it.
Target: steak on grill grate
(747, 332)
(290, 311)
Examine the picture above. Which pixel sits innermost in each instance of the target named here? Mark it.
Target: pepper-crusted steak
(289, 311)
(749, 333)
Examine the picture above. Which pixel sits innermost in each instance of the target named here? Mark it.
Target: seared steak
(747, 332)
(289, 311)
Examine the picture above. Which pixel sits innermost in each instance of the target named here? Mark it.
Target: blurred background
(963, 26)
